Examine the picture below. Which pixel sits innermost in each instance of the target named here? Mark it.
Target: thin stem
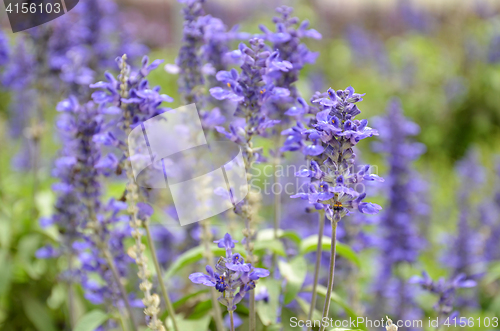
(440, 315)
(71, 298)
(249, 248)
(93, 225)
(159, 273)
(151, 300)
(121, 288)
(206, 240)
(252, 323)
(34, 168)
(277, 200)
(232, 319)
(331, 276)
(122, 323)
(319, 249)
(217, 313)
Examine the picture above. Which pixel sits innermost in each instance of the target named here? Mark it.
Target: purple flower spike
(333, 132)
(232, 277)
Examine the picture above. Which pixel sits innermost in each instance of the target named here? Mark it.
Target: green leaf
(57, 296)
(184, 299)
(335, 298)
(304, 305)
(45, 201)
(91, 320)
(6, 274)
(310, 244)
(317, 316)
(5, 233)
(287, 316)
(493, 273)
(268, 312)
(189, 257)
(295, 273)
(27, 247)
(38, 314)
(191, 324)
(274, 245)
(202, 309)
(268, 234)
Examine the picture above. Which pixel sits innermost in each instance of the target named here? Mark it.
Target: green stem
(122, 323)
(217, 313)
(252, 322)
(159, 273)
(277, 203)
(34, 155)
(206, 240)
(71, 298)
(232, 320)
(93, 226)
(331, 276)
(249, 248)
(319, 249)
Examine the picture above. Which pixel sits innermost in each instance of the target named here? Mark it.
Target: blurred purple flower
(446, 291)
(399, 240)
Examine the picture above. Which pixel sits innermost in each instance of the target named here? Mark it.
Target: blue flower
(328, 141)
(232, 276)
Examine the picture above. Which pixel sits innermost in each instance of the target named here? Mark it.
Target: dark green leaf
(38, 314)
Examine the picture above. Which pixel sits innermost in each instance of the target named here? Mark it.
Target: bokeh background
(441, 59)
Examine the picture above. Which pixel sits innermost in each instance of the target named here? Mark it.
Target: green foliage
(188, 258)
(310, 244)
(39, 315)
(91, 320)
(294, 273)
(268, 312)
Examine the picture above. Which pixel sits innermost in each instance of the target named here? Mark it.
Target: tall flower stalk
(446, 292)
(333, 133)
(400, 241)
(287, 41)
(464, 254)
(250, 90)
(89, 229)
(232, 277)
(136, 101)
(204, 44)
